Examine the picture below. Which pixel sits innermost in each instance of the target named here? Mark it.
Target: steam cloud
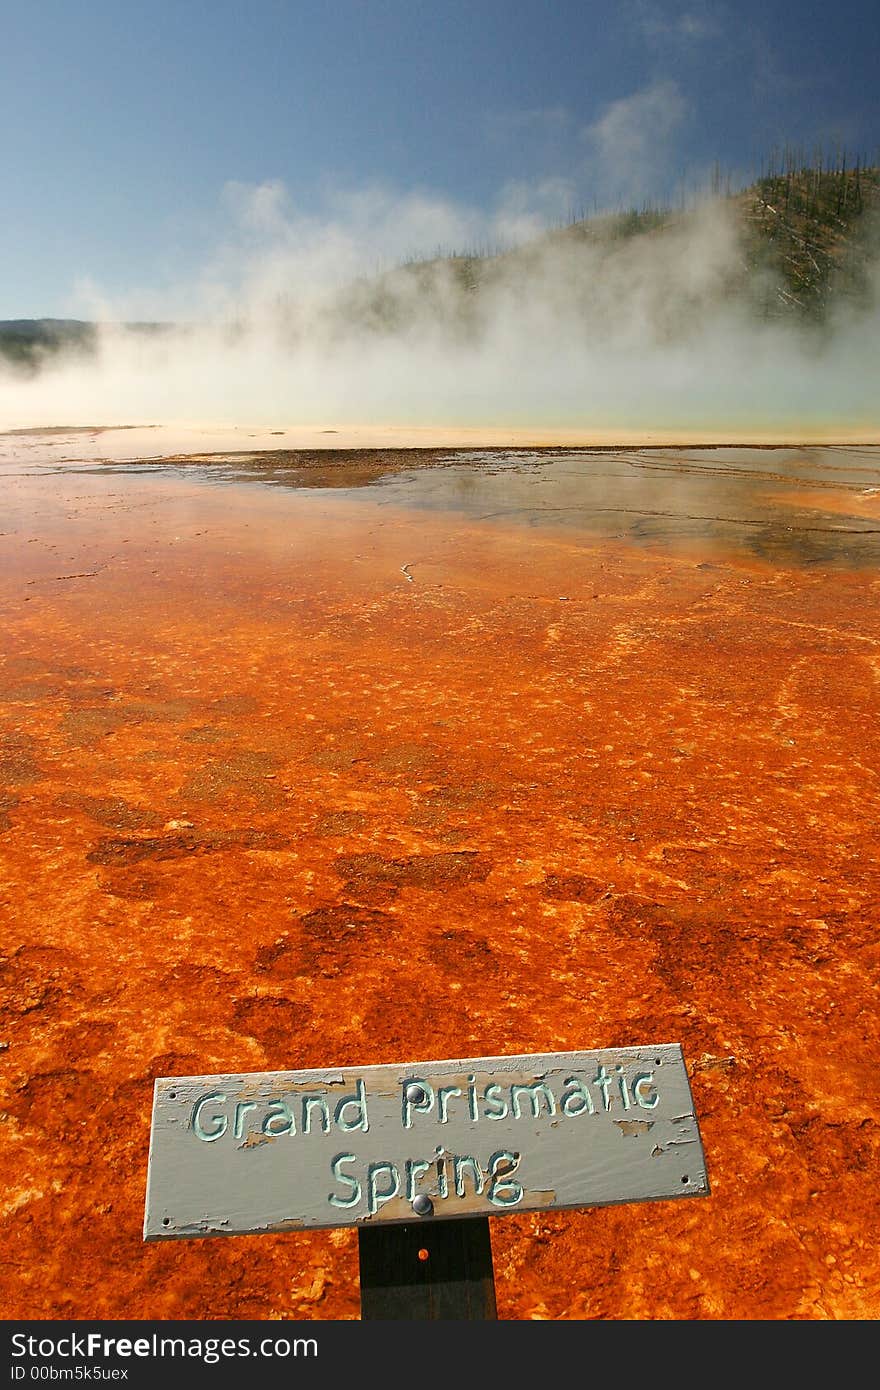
(306, 322)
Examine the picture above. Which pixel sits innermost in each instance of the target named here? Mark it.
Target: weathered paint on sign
(277, 1151)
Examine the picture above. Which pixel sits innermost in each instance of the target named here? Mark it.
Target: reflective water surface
(802, 506)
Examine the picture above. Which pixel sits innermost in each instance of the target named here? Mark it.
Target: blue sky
(144, 146)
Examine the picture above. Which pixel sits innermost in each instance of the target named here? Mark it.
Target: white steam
(305, 322)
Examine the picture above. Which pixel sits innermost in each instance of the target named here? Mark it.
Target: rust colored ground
(294, 781)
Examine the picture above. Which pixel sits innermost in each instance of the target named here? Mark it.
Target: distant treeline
(25, 342)
(28, 343)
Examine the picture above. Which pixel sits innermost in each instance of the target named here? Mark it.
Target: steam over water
(662, 334)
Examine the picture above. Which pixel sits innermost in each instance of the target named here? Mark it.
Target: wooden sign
(483, 1136)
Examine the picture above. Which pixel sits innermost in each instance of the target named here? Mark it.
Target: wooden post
(429, 1270)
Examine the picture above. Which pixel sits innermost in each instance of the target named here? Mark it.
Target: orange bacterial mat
(296, 776)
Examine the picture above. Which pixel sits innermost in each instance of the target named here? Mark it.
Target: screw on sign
(419, 1155)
